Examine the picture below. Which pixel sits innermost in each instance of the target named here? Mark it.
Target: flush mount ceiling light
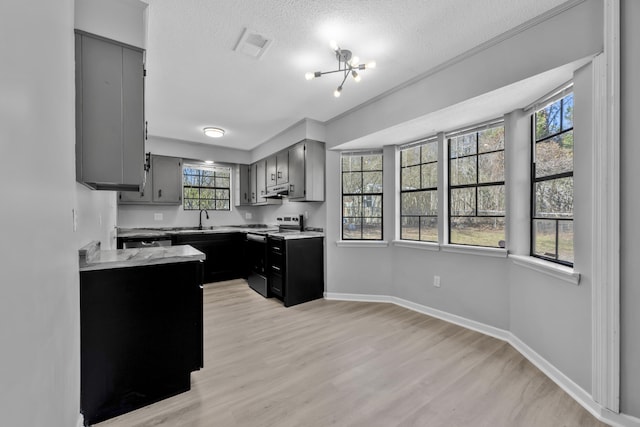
(214, 132)
(347, 64)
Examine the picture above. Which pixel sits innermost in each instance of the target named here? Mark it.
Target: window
(419, 192)
(476, 187)
(206, 187)
(362, 196)
(552, 182)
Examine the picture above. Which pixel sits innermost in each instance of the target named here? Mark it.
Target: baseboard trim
(80, 422)
(565, 383)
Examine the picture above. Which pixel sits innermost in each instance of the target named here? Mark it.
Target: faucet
(206, 213)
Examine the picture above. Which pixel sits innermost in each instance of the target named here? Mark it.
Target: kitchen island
(140, 326)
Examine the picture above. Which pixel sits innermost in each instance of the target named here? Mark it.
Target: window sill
(425, 246)
(362, 243)
(475, 250)
(558, 271)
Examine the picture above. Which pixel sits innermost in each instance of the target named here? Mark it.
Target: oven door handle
(256, 238)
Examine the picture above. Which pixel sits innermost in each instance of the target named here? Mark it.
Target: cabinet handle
(245, 196)
(291, 187)
(159, 193)
(279, 174)
(275, 267)
(273, 177)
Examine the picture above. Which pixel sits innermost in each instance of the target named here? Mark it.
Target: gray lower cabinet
(163, 185)
(109, 113)
(306, 171)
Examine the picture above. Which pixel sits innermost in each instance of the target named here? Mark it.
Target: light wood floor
(339, 363)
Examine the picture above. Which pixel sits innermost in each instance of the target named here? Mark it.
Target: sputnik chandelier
(347, 64)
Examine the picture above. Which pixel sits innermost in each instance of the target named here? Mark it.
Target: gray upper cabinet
(272, 171)
(253, 184)
(306, 171)
(282, 167)
(163, 185)
(242, 194)
(167, 180)
(261, 181)
(109, 113)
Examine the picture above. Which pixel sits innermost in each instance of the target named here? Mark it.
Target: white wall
(39, 310)
(121, 20)
(630, 206)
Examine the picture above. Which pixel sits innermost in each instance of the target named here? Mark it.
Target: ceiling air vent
(252, 44)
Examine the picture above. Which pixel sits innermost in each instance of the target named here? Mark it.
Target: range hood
(277, 191)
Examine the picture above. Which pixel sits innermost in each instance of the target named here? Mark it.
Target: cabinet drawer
(276, 285)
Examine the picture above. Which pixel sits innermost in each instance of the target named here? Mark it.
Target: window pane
(409, 228)
(351, 228)
(190, 179)
(429, 229)
(565, 241)
(430, 152)
(567, 112)
(491, 200)
(548, 121)
(352, 206)
(206, 181)
(222, 182)
(190, 204)
(222, 194)
(372, 206)
(222, 204)
(491, 167)
(555, 155)
(544, 238)
(478, 231)
(223, 173)
(410, 178)
(372, 163)
(206, 204)
(463, 171)
(554, 198)
(352, 183)
(351, 163)
(420, 203)
(372, 228)
(206, 193)
(372, 182)
(410, 156)
(491, 139)
(463, 145)
(191, 193)
(430, 175)
(463, 201)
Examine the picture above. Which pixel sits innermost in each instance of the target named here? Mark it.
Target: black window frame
(534, 180)
(477, 184)
(362, 217)
(422, 188)
(206, 203)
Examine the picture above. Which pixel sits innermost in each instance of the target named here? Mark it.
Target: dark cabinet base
(140, 336)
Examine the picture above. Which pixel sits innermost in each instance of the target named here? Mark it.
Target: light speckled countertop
(92, 258)
(168, 232)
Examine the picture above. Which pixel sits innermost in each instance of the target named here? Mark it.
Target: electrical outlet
(436, 281)
(157, 216)
(248, 215)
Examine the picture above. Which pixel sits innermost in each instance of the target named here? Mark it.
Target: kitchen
(47, 362)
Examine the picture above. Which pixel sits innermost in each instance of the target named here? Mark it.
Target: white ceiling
(196, 79)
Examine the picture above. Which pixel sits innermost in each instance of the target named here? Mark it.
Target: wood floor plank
(343, 363)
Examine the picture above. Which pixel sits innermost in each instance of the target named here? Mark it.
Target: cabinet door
(243, 196)
(272, 171)
(261, 181)
(253, 186)
(296, 171)
(282, 168)
(109, 114)
(136, 197)
(167, 179)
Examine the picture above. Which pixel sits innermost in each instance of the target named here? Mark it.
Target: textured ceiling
(196, 79)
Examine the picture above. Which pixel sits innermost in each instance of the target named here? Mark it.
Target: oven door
(256, 246)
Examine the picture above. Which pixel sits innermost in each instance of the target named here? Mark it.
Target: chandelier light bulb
(309, 76)
(354, 61)
(356, 76)
(371, 64)
(336, 92)
(333, 44)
